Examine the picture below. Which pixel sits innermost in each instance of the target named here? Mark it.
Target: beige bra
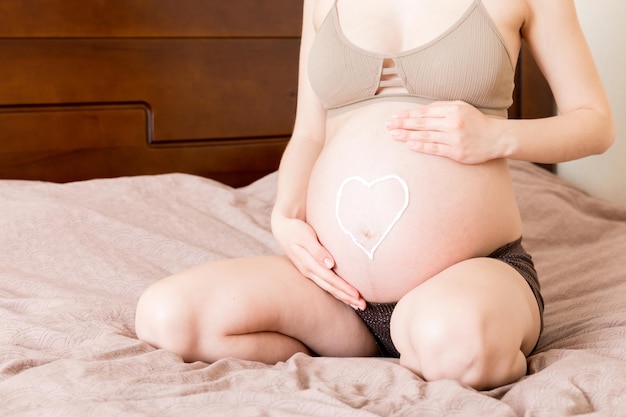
(468, 62)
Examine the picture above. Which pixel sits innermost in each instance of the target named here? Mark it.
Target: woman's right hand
(299, 242)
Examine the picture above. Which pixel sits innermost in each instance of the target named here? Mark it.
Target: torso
(454, 211)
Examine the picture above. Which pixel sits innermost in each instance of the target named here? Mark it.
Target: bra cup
(470, 63)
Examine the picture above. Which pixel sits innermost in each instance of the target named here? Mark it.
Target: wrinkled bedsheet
(75, 257)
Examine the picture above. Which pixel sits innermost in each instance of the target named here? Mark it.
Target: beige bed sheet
(74, 259)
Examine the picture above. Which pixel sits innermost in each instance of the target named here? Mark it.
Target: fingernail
(328, 263)
(358, 307)
(396, 134)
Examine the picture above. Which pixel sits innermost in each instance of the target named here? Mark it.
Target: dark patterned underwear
(377, 316)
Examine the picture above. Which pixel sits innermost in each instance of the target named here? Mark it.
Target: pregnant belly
(393, 218)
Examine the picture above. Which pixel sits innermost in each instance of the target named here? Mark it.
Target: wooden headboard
(94, 89)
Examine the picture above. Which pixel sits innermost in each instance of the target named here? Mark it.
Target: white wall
(604, 24)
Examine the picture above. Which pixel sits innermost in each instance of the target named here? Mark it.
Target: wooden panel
(536, 100)
(235, 165)
(71, 143)
(532, 98)
(94, 88)
(53, 128)
(198, 89)
(150, 18)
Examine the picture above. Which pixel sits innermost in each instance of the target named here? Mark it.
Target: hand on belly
(367, 211)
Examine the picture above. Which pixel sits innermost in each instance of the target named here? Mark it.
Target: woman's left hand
(452, 129)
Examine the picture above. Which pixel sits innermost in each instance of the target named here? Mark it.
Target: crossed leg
(475, 322)
(258, 308)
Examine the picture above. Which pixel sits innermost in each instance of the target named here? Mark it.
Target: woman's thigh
(475, 321)
(256, 308)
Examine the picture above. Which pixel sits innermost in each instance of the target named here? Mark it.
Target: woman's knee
(444, 345)
(164, 319)
(197, 313)
(468, 323)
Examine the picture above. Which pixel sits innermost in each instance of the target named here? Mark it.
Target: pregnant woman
(395, 210)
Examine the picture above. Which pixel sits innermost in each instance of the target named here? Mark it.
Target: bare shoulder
(547, 6)
(541, 13)
(551, 23)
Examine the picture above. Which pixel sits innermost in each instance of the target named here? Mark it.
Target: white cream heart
(370, 184)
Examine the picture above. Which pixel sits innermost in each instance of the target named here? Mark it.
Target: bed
(120, 167)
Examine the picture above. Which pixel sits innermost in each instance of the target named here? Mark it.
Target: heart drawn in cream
(370, 187)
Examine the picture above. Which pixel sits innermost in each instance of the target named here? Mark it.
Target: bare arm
(584, 125)
(297, 239)
(308, 135)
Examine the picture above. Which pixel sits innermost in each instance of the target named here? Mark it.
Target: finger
(332, 287)
(351, 294)
(433, 110)
(327, 279)
(321, 264)
(416, 111)
(444, 107)
(426, 136)
(432, 148)
(422, 123)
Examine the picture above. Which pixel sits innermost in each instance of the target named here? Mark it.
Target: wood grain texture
(99, 89)
(149, 18)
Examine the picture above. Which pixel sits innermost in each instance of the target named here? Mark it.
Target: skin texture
(460, 315)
